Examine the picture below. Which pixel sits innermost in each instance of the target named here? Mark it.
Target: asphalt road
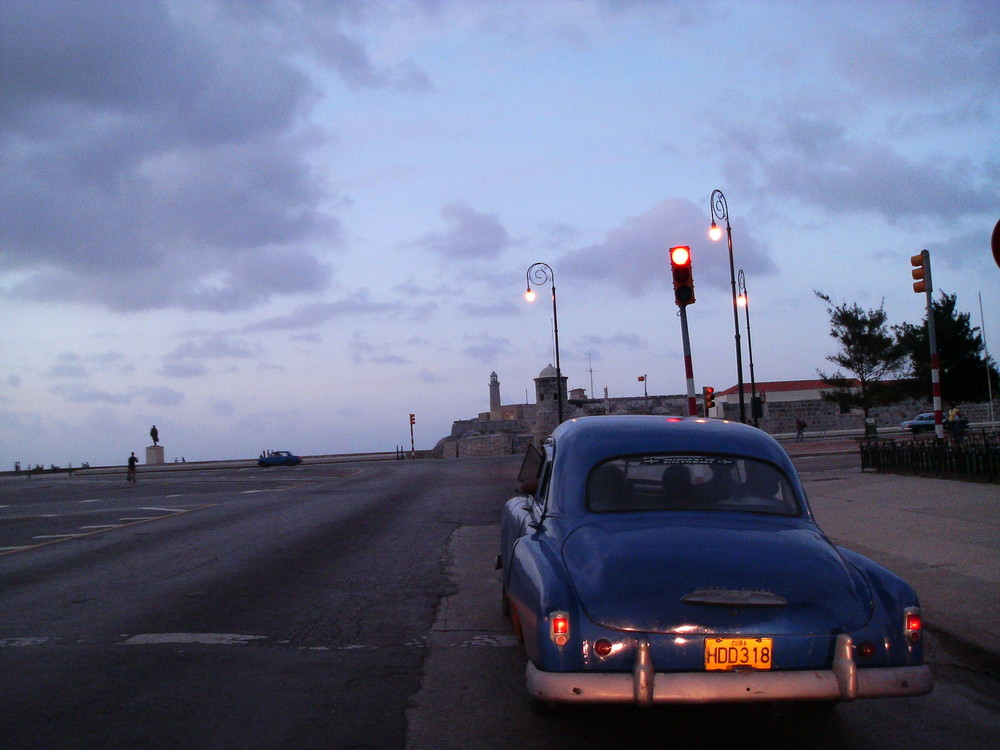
(329, 606)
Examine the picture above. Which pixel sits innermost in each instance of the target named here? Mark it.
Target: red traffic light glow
(680, 269)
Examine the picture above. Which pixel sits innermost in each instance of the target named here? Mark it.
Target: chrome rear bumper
(644, 686)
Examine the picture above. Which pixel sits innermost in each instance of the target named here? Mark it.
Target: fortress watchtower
(549, 389)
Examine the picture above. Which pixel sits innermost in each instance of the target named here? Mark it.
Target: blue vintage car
(278, 458)
(670, 560)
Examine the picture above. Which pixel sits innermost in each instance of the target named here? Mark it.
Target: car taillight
(559, 628)
(603, 647)
(913, 624)
(866, 650)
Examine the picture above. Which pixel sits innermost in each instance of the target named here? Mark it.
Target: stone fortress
(508, 428)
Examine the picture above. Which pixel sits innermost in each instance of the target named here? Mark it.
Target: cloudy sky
(288, 225)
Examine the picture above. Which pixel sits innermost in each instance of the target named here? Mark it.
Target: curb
(966, 653)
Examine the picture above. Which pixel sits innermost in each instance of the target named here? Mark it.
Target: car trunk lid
(714, 573)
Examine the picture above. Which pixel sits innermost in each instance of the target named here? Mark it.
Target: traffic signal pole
(413, 450)
(688, 366)
(922, 275)
(680, 269)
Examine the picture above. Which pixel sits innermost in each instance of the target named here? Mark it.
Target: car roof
(580, 444)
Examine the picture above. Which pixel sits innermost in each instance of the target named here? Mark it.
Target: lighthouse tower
(494, 396)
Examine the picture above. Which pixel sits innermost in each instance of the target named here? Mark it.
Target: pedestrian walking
(132, 461)
(800, 428)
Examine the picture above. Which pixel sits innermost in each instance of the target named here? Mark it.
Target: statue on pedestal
(154, 433)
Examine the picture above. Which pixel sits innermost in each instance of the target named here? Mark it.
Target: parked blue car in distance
(279, 458)
(675, 560)
(925, 423)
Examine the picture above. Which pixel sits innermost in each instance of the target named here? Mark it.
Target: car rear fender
(891, 595)
(537, 586)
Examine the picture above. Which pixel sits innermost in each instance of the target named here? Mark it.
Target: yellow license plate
(738, 653)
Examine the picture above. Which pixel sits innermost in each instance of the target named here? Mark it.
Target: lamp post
(541, 273)
(744, 302)
(720, 211)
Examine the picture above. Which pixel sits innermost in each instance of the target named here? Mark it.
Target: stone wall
(669, 405)
(493, 445)
(486, 426)
(822, 416)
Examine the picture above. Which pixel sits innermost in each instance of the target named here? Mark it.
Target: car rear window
(640, 483)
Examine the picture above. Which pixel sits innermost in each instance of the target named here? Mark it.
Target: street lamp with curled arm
(541, 273)
(720, 211)
(744, 302)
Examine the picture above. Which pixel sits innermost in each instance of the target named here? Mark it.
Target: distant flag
(642, 378)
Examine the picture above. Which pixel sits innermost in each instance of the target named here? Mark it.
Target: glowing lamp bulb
(530, 295)
(714, 232)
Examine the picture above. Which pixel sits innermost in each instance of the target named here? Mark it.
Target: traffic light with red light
(413, 419)
(921, 272)
(680, 268)
(708, 395)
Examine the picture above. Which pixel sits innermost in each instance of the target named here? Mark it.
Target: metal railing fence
(975, 458)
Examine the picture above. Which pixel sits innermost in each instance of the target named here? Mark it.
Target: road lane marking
(437, 640)
(125, 522)
(212, 639)
(102, 526)
(57, 536)
(21, 642)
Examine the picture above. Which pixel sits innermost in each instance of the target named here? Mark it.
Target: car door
(524, 512)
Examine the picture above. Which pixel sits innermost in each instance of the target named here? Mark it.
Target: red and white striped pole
(688, 367)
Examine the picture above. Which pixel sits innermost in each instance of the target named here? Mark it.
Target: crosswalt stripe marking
(133, 522)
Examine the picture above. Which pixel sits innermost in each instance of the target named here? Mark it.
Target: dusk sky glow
(287, 225)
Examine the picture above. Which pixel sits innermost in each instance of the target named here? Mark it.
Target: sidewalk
(819, 446)
(941, 535)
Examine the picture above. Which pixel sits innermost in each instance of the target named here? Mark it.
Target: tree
(963, 363)
(867, 350)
